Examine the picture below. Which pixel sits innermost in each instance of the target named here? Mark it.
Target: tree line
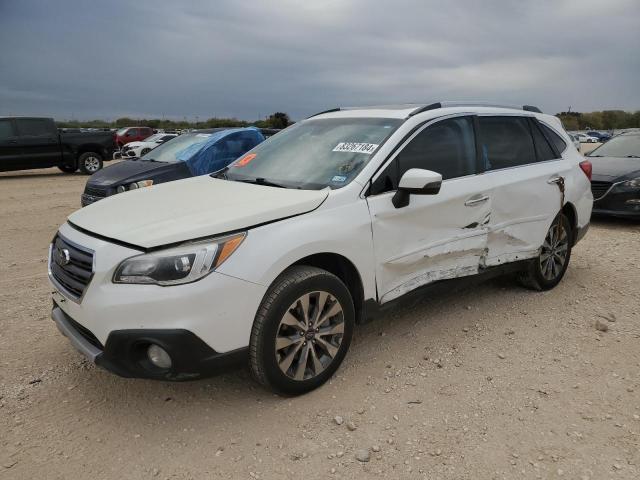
(602, 120)
(275, 120)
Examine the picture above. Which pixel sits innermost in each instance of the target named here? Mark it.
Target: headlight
(634, 183)
(178, 265)
(140, 184)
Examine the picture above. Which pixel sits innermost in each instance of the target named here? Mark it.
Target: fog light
(158, 356)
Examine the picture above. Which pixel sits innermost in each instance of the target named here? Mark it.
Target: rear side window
(555, 138)
(34, 127)
(446, 147)
(6, 129)
(543, 149)
(505, 142)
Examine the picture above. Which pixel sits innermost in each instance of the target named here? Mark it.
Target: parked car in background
(575, 140)
(602, 137)
(36, 142)
(616, 176)
(132, 134)
(187, 155)
(584, 138)
(138, 149)
(274, 259)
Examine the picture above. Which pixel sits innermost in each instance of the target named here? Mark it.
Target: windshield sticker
(352, 147)
(339, 179)
(203, 135)
(245, 160)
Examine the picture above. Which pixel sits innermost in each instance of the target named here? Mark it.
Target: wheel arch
(344, 269)
(569, 210)
(90, 147)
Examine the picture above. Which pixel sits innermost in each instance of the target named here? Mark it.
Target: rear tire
(302, 330)
(90, 163)
(67, 168)
(545, 271)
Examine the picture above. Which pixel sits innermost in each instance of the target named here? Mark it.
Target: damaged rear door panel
(527, 187)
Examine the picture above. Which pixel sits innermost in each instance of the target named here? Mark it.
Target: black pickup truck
(35, 142)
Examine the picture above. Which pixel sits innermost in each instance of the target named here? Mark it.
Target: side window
(555, 138)
(132, 132)
(6, 129)
(543, 149)
(505, 142)
(446, 147)
(34, 127)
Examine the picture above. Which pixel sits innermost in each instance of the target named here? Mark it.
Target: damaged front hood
(189, 209)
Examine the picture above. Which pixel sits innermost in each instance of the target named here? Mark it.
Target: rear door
(527, 175)
(10, 150)
(40, 142)
(436, 236)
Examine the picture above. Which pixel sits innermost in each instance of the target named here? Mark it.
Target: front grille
(95, 191)
(71, 266)
(599, 189)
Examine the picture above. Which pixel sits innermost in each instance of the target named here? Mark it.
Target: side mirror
(418, 182)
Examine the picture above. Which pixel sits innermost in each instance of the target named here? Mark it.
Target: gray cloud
(248, 59)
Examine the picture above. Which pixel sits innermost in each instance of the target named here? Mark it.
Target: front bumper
(125, 351)
(217, 311)
(619, 201)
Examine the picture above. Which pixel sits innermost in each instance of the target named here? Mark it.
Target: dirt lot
(494, 382)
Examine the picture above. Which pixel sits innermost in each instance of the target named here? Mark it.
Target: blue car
(188, 155)
(603, 137)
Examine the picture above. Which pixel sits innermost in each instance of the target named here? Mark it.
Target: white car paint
(148, 143)
(584, 138)
(473, 222)
(148, 218)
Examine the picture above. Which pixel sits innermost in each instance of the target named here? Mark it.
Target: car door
(10, 150)
(40, 142)
(527, 179)
(437, 236)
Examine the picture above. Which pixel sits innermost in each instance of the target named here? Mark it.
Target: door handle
(555, 180)
(476, 200)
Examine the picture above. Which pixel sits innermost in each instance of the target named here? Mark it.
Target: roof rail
(337, 109)
(433, 106)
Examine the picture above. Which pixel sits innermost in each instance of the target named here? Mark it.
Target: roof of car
(407, 110)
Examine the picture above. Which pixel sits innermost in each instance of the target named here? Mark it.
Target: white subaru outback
(273, 260)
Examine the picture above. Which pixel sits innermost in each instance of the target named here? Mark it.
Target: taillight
(587, 168)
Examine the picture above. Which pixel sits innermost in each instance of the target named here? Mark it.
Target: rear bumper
(125, 351)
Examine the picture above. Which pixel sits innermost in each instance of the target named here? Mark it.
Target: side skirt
(372, 309)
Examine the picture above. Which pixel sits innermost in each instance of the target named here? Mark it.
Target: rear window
(543, 149)
(505, 142)
(555, 138)
(34, 127)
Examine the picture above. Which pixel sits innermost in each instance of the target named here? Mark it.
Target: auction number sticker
(353, 147)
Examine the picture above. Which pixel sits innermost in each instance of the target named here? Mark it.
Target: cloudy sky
(245, 59)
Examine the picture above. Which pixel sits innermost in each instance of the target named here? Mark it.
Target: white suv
(273, 260)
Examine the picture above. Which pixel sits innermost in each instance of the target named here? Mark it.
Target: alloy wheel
(92, 164)
(309, 335)
(554, 251)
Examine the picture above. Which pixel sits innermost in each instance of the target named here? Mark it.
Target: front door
(10, 150)
(40, 142)
(436, 236)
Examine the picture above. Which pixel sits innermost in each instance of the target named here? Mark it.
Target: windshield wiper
(262, 181)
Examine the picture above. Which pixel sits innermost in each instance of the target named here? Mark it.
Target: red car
(132, 134)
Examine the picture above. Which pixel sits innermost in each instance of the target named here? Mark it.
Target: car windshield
(168, 150)
(621, 146)
(314, 154)
(122, 131)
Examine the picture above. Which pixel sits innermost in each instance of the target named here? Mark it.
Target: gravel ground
(490, 382)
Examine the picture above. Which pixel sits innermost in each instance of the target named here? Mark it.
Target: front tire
(302, 330)
(90, 163)
(546, 271)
